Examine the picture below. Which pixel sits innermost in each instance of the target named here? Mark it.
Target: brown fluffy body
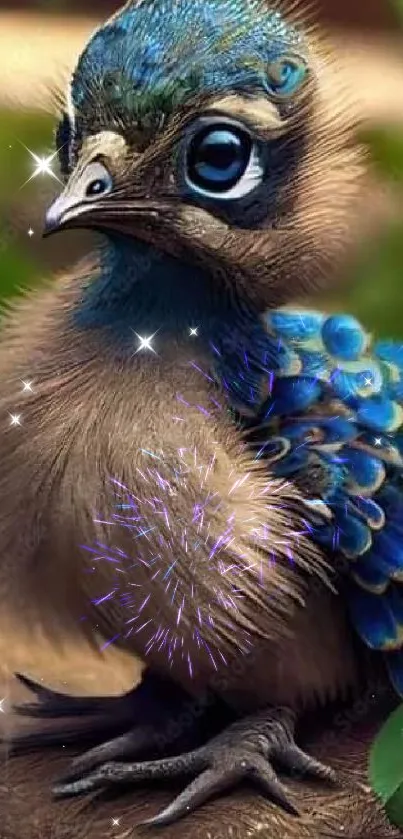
(76, 431)
(92, 412)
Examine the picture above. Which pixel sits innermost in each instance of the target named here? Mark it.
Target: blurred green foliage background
(373, 283)
(17, 265)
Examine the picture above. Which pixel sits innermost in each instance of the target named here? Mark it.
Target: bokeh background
(39, 41)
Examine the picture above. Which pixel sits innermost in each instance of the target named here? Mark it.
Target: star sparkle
(15, 419)
(43, 166)
(30, 232)
(145, 343)
(193, 331)
(27, 387)
(116, 822)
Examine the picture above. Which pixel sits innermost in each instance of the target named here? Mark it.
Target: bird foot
(243, 751)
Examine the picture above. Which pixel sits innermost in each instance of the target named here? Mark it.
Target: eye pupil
(221, 151)
(97, 187)
(218, 157)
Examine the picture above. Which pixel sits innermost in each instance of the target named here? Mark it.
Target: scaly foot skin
(244, 751)
(148, 706)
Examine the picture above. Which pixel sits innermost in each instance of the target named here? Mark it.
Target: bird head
(214, 131)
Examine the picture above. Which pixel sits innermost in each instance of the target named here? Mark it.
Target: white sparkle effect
(145, 343)
(378, 441)
(30, 232)
(43, 166)
(27, 387)
(194, 331)
(115, 822)
(15, 419)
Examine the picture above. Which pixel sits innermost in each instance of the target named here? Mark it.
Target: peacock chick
(206, 142)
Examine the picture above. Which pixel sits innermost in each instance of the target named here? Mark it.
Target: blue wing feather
(334, 397)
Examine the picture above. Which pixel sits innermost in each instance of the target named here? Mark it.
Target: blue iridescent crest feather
(154, 55)
(328, 398)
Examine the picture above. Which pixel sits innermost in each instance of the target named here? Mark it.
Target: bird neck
(141, 289)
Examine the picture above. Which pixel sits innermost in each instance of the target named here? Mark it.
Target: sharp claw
(91, 783)
(242, 751)
(209, 783)
(264, 775)
(213, 781)
(121, 773)
(164, 818)
(84, 785)
(294, 759)
(156, 821)
(128, 745)
(277, 793)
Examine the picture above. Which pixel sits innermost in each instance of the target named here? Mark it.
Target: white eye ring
(97, 182)
(250, 179)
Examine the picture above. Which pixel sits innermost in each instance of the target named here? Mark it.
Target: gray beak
(82, 195)
(59, 214)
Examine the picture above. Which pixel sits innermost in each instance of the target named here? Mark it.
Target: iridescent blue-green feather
(332, 400)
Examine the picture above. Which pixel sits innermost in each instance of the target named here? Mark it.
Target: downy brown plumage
(108, 422)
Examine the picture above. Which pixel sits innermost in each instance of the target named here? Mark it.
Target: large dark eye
(97, 187)
(98, 180)
(218, 157)
(222, 161)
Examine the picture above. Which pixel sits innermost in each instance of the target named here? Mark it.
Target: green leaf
(394, 807)
(386, 766)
